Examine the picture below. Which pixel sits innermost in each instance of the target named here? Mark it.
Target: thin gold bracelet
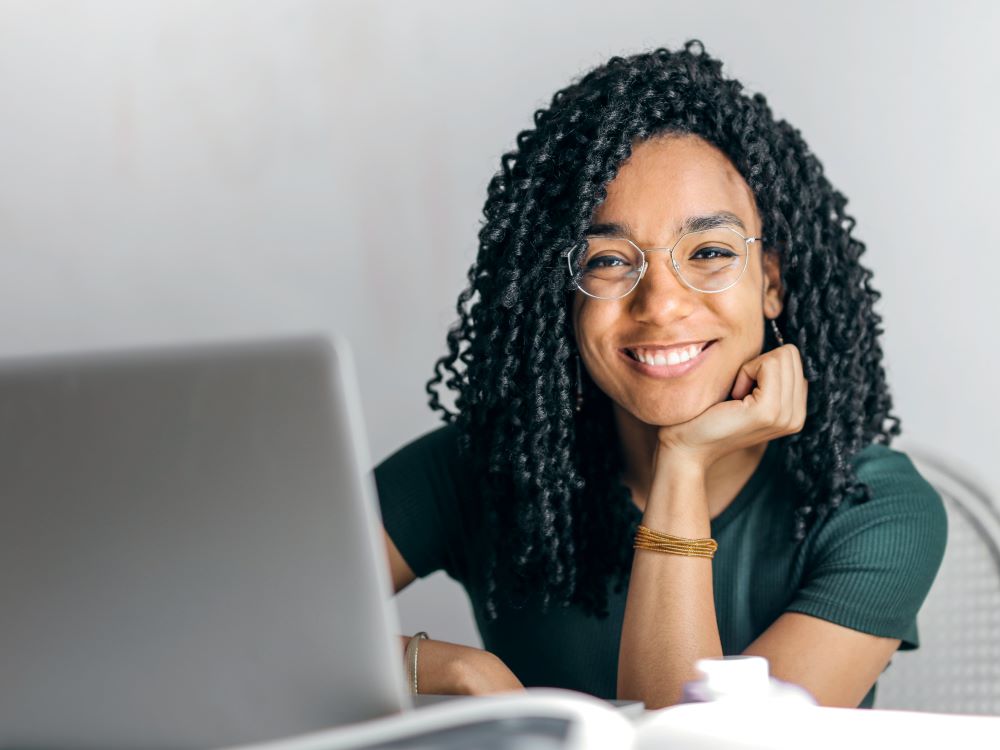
(657, 541)
(411, 659)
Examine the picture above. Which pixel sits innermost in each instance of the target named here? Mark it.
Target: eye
(712, 253)
(606, 261)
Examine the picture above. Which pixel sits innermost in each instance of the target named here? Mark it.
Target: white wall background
(183, 170)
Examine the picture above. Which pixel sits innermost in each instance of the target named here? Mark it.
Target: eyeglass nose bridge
(645, 262)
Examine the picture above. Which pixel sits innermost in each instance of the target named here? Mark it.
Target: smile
(663, 362)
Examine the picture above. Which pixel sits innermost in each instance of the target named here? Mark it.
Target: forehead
(669, 179)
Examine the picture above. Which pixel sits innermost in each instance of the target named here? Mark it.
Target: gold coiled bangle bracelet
(657, 541)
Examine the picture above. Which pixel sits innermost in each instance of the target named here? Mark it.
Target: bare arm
(449, 668)
(670, 614)
(669, 618)
(670, 623)
(402, 574)
(837, 665)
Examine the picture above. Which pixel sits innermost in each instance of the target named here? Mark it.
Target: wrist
(411, 657)
(677, 502)
(682, 460)
(678, 475)
(689, 523)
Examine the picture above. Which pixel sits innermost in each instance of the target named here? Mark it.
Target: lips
(667, 361)
(667, 355)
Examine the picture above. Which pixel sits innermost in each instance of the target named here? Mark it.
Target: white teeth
(657, 357)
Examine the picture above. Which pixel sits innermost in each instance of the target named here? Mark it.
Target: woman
(667, 339)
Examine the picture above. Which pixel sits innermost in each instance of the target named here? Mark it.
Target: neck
(723, 480)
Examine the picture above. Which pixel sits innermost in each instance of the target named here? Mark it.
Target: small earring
(579, 385)
(777, 333)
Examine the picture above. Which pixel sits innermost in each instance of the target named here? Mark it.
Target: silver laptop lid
(190, 551)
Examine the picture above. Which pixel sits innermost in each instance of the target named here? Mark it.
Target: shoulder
(895, 485)
(420, 491)
(436, 448)
(903, 514)
(428, 469)
(870, 562)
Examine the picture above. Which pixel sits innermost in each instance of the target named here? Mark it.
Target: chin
(672, 411)
(667, 416)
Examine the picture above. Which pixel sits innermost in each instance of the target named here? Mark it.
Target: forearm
(453, 669)
(669, 618)
(438, 667)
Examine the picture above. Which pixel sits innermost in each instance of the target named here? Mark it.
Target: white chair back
(957, 667)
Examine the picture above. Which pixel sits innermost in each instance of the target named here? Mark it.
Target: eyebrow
(691, 224)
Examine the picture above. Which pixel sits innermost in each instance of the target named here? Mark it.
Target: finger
(747, 376)
(744, 380)
(801, 391)
(775, 399)
(792, 413)
(766, 398)
(788, 404)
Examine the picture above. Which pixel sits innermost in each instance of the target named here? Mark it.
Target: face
(664, 184)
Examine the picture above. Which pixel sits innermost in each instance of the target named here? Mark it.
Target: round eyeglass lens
(712, 260)
(607, 267)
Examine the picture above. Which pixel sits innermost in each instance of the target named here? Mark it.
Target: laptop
(191, 555)
(180, 549)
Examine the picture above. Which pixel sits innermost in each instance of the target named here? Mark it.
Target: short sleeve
(418, 491)
(871, 564)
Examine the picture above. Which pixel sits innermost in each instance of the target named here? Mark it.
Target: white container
(741, 678)
(737, 706)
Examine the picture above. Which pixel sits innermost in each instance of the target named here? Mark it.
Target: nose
(661, 296)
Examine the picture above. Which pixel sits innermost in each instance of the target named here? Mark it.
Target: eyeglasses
(709, 261)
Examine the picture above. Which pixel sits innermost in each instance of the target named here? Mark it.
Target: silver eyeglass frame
(747, 241)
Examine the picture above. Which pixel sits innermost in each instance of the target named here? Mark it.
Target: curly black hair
(552, 499)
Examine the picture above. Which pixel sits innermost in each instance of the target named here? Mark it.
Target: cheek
(746, 338)
(586, 321)
(594, 326)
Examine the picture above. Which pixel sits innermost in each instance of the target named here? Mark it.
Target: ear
(773, 293)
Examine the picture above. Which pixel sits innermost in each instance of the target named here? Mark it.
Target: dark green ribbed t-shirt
(866, 565)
